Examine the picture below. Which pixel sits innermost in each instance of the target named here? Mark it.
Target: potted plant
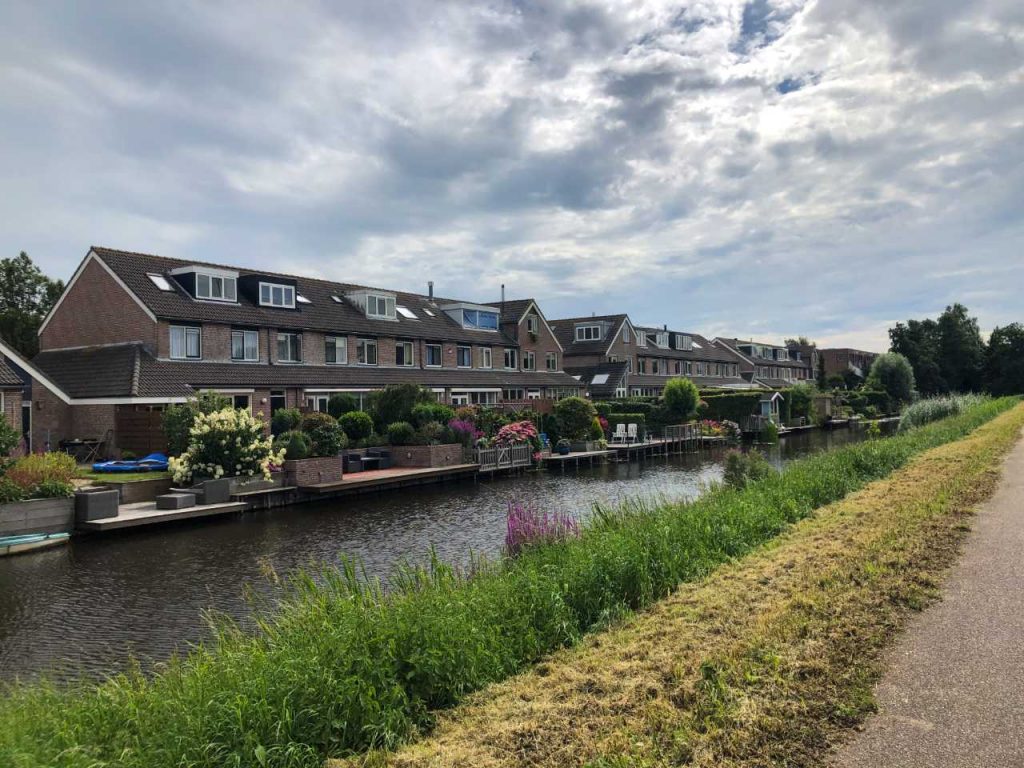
(563, 447)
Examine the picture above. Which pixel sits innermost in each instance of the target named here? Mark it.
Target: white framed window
(277, 295)
(241, 401)
(404, 353)
(511, 358)
(186, 342)
(317, 402)
(641, 365)
(245, 346)
(432, 353)
(588, 333)
(336, 350)
(629, 364)
(532, 323)
(380, 306)
(513, 393)
(460, 398)
(366, 351)
(289, 347)
(625, 333)
(464, 357)
(533, 394)
(478, 318)
(551, 361)
(216, 287)
(485, 357)
(529, 361)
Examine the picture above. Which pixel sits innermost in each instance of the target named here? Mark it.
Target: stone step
(175, 501)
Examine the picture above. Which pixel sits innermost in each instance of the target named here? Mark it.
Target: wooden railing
(688, 431)
(504, 457)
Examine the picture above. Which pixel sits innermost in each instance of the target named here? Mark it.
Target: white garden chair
(631, 431)
(619, 436)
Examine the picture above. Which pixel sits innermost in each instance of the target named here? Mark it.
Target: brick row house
(134, 332)
(773, 366)
(615, 358)
(843, 361)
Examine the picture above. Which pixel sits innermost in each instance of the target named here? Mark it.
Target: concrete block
(175, 500)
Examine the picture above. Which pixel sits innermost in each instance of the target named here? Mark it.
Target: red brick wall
(324, 469)
(426, 455)
(96, 310)
(545, 343)
(12, 408)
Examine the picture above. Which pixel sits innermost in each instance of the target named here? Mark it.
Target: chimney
(430, 289)
(502, 294)
(664, 327)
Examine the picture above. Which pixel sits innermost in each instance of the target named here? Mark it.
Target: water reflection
(89, 607)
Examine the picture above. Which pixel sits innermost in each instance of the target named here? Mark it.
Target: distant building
(843, 361)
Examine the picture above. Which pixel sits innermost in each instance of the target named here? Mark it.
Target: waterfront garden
(341, 666)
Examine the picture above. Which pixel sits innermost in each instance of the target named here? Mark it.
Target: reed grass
(934, 408)
(340, 666)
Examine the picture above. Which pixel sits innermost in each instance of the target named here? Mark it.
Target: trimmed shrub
(401, 433)
(738, 406)
(357, 425)
(575, 416)
(892, 373)
(340, 403)
(596, 430)
(295, 445)
(285, 420)
(326, 437)
(680, 398)
(395, 403)
(424, 413)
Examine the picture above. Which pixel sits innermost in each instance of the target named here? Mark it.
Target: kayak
(29, 542)
(155, 462)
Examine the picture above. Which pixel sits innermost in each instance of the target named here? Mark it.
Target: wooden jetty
(395, 477)
(575, 459)
(145, 513)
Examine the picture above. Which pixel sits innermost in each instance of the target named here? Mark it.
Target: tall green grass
(342, 666)
(934, 408)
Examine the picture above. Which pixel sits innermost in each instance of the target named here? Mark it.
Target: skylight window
(302, 299)
(429, 312)
(160, 282)
(600, 378)
(406, 312)
(337, 299)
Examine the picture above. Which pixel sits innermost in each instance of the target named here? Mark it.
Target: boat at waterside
(30, 542)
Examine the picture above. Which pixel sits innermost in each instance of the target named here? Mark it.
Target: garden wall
(426, 455)
(37, 516)
(305, 472)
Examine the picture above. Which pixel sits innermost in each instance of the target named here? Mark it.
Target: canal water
(88, 608)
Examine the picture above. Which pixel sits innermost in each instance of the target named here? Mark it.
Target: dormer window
(382, 307)
(275, 295)
(475, 318)
(588, 333)
(208, 283)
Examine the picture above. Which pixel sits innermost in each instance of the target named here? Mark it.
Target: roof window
(302, 299)
(160, 281)
(406, 312)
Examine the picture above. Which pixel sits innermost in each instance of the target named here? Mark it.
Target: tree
(800, 341)
(892, 373)
(395, 403)
(918, 342)
(26, 295)
(961, 350)
(1004, 360)
(681, 398)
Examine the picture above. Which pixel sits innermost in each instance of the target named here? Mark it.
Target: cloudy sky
(755, 168)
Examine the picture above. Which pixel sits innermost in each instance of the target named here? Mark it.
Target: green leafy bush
(226, 443)
(294, 443)
(326, 437)
(357, 425)
(893, 374)
(43, 475)
(575, 416)
(178, 419)
(741, 468)
(340, 403)
(285, 420)
(424, 413)
(680, 398)
(10, 440)
(395, 403)
(341, 665)
(401, 433)
(769, 433)
(738, 406)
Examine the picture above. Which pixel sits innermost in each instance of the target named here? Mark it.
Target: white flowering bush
(224, 443)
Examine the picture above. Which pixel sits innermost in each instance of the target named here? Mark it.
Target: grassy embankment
(771, 660)
(343, 667)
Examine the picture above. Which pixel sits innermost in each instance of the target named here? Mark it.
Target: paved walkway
(954, 692)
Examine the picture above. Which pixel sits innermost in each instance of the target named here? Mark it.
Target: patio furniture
(370, 462)
(83, 450)
(619, 436)
(353, 462)
(383, 454)
(631, 433)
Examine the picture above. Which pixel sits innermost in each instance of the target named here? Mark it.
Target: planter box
(140, 490)
(426, 455)
(37, 516)
(96, 504)
(305, 472)
(243, 484)
(583, 446)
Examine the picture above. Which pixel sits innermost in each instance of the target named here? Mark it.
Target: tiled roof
(613, 371)
(564, 331)
(130, 371)
(9, 378)
(511, 311)
(322, 314)
(703, 350)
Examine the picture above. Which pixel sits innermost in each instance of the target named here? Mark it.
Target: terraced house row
(135, 332)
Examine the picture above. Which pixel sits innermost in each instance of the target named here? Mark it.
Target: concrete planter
(306, 472)
(96, 504)
(426, 455)
(244, 484)
(583, 446)
(140, 490)
(37, 516)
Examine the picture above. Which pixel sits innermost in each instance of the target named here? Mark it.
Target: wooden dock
(394, 477)
(575, 459)
(146, 513)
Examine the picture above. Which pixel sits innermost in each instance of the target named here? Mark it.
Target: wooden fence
(139, 429)
(504, 457)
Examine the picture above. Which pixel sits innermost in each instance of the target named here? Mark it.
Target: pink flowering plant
(528, 526)
(518, 432)
(466, 431)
